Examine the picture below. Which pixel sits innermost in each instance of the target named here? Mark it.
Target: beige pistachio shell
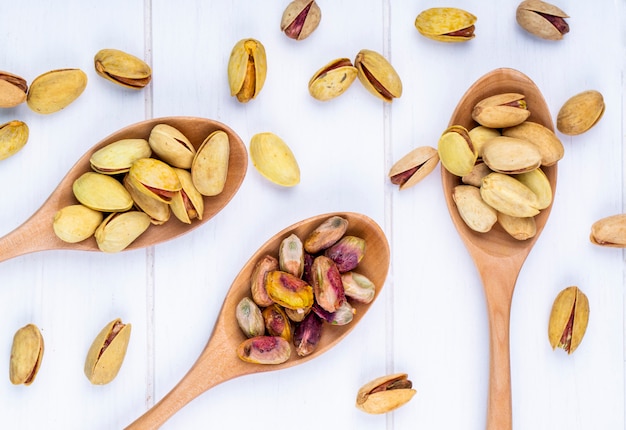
(581, 112)
(247, 69)
(274, 160)
(511, 155)
(76, 223)
(539, 184)
(501, 110)
(13, 137)
(171, 146)
(13, 90)
(508, 195)
(188, 203)
(568, 319)
(300, 19)
(26, 355)
(543, 138)
(209, 169)
(456, 151)
(332, 80)
(476, 214)
(118, 156)
(517, 227)
(414, 167)
(446, 24)
(157, 210)
(475, 177)
(384, 394)
(107, 352)
(122, 68)
(480, 135)
(101, 193)
(154, 178)
(55, 90)
(609, 231)
(532, 16)
(378, 75)
(118, 230)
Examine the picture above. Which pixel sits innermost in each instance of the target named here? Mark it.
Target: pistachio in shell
(274, 160)
(26, 355)
(520, 228)
(13, 137)
(120, 229)
(580, 113)
(537, 181)
(122, 68)
(332, 80)
(568, 319)
(157, 210)
(13, 90)
(378, 75)
(542, 19)
(171, 146)
(300, 19)
(609, 231)
(456, 150)
(154, 178)
(55, 90)
(247, 69)
(481, 135)
(209, 169)
(75, 223)
(107, 351)
(508, 195)
(414, 167)
(117, 157)
(385, 394)
(549, 145)
(188, 203)
(501, 110)
(511, 155)
(477, 215)
(446, 24)
(101, 193)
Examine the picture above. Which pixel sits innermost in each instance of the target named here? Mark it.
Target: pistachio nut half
(580, 112)
(247, 69)
(511, 155)
(122, 68)
(300, 19)
(542, 19)
(568, 319)
(117, 157)
(508, 195)
(274, 160)
(106, 353)
(13, 90)
(609, 231)
(549, 145)
(13, 137)
(477, 215)
(332, 80)
(154, 178)
(188, 203)
(55, 90)
(414, 167)
(378, 75)
(446, 24)
(456, 150)
(26, 355)
(75, 223)
(171, 146)
(120, 229)
(385, 394)
(101, 193)
(209, 169)
(501, 110)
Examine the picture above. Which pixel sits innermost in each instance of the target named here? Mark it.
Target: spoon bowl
(219, 362)
(498, 256)
(36, 233)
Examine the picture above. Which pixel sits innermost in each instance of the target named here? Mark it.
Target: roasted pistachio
(580, 112)
(26, 355)
(501, 110)
(347, 253)
(475, 177)
(568, 319)
(120, 229)
(122, 68)
(378, 75)
(154, 178)
(456, 151)
(307, 334)
(274, 160)
(291, 255)
(325, 234)
(101, 193)
(508, 195)
(264, 350)
(332, 80)
(520, 228)
(288, 290)
(257, 280)
(276, 322)
(609, 231)
(75, 223)
(542, 19)
(247, 69)
(358, 287)
(481, 135)
(13, 137)
(55, 90)
(13, 90)
(543, 138)
(300, 19)
(446, 24)
(116, 157)
(209, 169)
(511, 155)
(414, 166)
(539, 184)
(327, 285)
(385, 394)
(188, 203)
(171, 146)
(107, 352)
(478, 215)
(250, 318)
(157, 210)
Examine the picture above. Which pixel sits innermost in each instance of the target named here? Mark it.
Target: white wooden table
(430, 320)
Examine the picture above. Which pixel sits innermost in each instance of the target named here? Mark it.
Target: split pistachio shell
(332, 80)
(539, 184)
(171, 146)
(478, 215)
(55, 90)
(326, 234)
(378, 75)
(107, 352)
(517, 227)
(568, 319)
(581, 112)
(76, 223)
(549, 145)
(385, 394)
(446, 24)
(247, 69)
(291, 255)
(26, 355)
(300, 19)
(209, 169)
(118, 230)
(501, 110)
(609, 231)
(414, 167)
(274, 160)
(264, 350)
(13, 90)
(122, 68)
(542, 19)
(117, 157)
(481, 135)
(456, 151)
(154, 178)
(250, 318)
(188, 203)
(157, 210)
(508, 195)
(511, 155)
(101, 193)
(13, 137)
(475, 177)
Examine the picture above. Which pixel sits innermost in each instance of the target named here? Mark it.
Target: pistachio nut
(188, 203)
(332, 80)
(549, 145)
(300, 19)
(26, 355)
(580, 112)
(414, 167)
(327, 284)
(609, 231)
(157, 210)
(75, 223)
(511, 155)
(13, 137)
(446, 24)
(297, 315)
(291, 255)
(122, 68)
(276, 322)
(481, 135)
(501, 110)
(326, 234)
(117, 157)
(520, 228)
(209, 169)
(13, 90)
(101, 193)
(55, 90)
(247, 69)
(154, 178)
(478, 215)
(358, 287)
(475, 177)
(542, 19)
(307, 334)
(274, 160)
(264, 350)
(171, 146)
(539, 184)
(250, 318)
(344, 314)
(120, 229)
(385, 394)
(257, 280)
(106, 353)
(456, 150)
(508, 195)
(378, 75)
(347, 253)
(568, 319)
(288, 290)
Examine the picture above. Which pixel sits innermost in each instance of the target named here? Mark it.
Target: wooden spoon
(497, 256)
(219, 362)
(36, 234)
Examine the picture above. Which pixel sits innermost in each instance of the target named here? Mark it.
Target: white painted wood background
(430, 320)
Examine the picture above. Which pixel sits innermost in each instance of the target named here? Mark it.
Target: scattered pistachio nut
(106, 353)
(456, 151)
(501, 110)
(446, 24)
(247, 69)
(13, 90)
(26, 355)
(120, 229)
(122, 68)
(332, 80)
(580, 112)
(385, 394)
(55, 90)
(414, 167)
(274, 160)
(568, 319)
(209, 169)
(378, 75)
(75, 223)
(609, 231)
(542, 19)
(300, 19)
(13, 137)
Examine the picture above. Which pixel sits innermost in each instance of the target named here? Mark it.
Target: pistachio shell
(188, 203)
(122, 68)
(568, 319)
(414, 166)
(13, 90)
(26, 355)
(481, 135)
(446, 24)
(508, 195)
(118, 230)
(101, 193)
(539, 184)
(456, 151)
(300, 19)
(580, 112)
(543, 138)
(385, 394)
(511, 155)
(154, 178)
(13, 137)
(542, 19)
(475, 177)
(477, 214)
(157, 210)
(609, 231)
(517, 227)
(106, 353)
(117, 157)
(247, 69)
(209, 169)
(332, 80)
(378, 75)
(171, 146)
(274, 160)
(76, 223)
(55, 90)
(501, 110)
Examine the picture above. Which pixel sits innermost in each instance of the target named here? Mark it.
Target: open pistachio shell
(157, 210)
(568, 319)
(122, 68)
(118, 230)
(300, 19)
(511, 155)
(209, 169)
(378, 75)
(414, 167)
(107, 352)
(385, 394)
(446, 24)
(13, 137)
(274, 160)
(188, 203)
(117, 157)
(101, 193)
(171, 146)
(154, 178)
(26, 355)
(247, 69)
(332, 80)
(13, 90)
(542, 137)
(456, 151)
(501, 110)
(75, 223)
(580, 112)
(55, 90)
(609, 231)
(542, 19)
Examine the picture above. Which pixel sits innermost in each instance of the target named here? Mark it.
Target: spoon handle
(33, 235)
